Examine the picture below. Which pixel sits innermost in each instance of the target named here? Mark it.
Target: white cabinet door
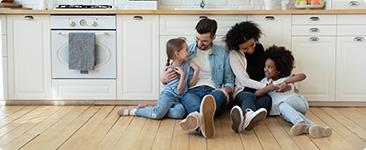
(315, 56)
(351, 71)
(29, 57)
(138, 57)
(276, 29)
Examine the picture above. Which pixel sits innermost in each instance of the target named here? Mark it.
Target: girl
(289, 104)
(169, 101)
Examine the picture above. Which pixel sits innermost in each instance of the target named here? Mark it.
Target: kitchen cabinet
(351, 52)
(276, 29)
(350, 68)
(29, 71)
(348, 4)
(173, 25)
(315, 56)
(3, 61)
(314, 49)
(138, 57)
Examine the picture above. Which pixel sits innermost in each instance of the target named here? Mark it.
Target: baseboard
(76, 102)
(337, 103)
(151, 102)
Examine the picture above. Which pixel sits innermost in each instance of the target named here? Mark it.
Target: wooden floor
(99, 127)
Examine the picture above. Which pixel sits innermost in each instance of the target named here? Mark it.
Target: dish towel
(82, 51)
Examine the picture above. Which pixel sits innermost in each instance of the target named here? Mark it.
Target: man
(216, 81)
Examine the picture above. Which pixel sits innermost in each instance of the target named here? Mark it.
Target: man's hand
(168, 75)
(226, 91)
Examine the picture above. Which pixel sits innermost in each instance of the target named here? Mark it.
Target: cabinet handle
(203, 17)
(28, 17)
(314, 30)
(138, 17)
(270, 18)
(354, 3)
(359, 39)
(314, 39)
(314, 18)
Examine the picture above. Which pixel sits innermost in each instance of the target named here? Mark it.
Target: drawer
(351, 30)
(351, 19)
(2, 25)
(314, 30)
(74, 89)
(185, 24)
(348, 4)
(314, 19)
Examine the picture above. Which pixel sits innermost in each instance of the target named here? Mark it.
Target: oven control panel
(83, 22)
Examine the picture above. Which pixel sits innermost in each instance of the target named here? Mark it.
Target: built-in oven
(104, 28)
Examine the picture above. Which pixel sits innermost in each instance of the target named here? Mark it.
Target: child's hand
(283, 87)
(271, 87)
(179, 71)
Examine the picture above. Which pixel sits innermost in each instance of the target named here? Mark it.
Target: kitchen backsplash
(163, 4)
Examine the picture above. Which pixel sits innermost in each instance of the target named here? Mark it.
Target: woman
(247, 63)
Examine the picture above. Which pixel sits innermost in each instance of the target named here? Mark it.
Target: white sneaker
(207, 110)
(253, 117)
(191, 122)
(236, 115)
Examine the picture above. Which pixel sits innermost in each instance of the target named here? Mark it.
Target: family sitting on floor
(200, 80)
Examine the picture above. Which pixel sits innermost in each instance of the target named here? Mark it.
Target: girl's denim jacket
(222, 75)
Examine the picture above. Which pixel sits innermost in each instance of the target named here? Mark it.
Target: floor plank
(336, 140)
(115, 133)
(131, 134)
(284, 140)
(265, 137)
(26, 123)
(37, 130)
(84, 133)
(180, 139)
(99, 127)
(347, 123)
(164, 135)
(56, 135)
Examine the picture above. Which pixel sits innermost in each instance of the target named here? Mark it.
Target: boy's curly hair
(283, 59)
(240, 33)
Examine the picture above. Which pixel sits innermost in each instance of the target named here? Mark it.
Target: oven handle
(64, 34)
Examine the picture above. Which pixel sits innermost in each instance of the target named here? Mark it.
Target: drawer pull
(314, 18)
(138, 17)
(354, 3)
(314, 39)
(314, 30)
(28, 17)
(203, 17)
(359, 39)
(270, 18)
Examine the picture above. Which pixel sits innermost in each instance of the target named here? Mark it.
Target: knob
(83, 22)
(94, 24)
(72, 23)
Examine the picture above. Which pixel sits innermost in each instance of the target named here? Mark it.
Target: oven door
(105, 55)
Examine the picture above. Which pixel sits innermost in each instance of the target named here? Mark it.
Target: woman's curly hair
(240, 33)
(283, 59)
